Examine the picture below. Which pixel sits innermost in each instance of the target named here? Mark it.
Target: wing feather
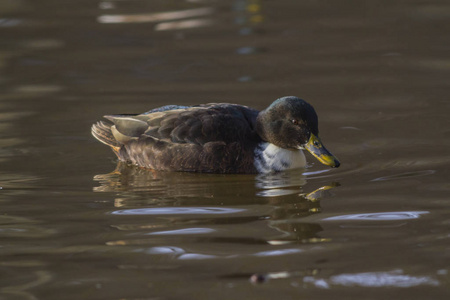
(216, 138)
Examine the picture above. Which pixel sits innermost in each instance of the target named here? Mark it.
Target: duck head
(292, 123)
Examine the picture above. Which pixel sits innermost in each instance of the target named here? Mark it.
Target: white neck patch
(271, 158)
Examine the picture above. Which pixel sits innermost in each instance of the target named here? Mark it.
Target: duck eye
(316, 143)
(294, 121)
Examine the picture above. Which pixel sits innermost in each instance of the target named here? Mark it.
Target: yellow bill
(318, 150)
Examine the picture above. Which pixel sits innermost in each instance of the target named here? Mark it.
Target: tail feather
(102, 132)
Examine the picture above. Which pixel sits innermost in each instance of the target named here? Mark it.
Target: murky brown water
(377, 73)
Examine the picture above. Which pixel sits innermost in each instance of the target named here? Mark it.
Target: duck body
(213, 138)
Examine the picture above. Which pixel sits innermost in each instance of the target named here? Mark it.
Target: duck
(217, 137)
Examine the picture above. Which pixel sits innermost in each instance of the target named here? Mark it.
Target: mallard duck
(217, 137)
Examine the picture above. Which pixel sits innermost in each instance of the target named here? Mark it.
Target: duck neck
(260, 126)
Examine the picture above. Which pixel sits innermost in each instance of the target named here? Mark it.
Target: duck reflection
(188, 199)
(130, 179)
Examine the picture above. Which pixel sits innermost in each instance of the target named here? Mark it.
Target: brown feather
(218, 138)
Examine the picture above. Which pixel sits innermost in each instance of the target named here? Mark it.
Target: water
(76, 225)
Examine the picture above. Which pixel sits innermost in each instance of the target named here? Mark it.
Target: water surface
(74, 224)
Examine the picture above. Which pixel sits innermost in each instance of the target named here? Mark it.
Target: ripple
(183, 231)
(10, 22)
(164, 250)
(384, 216)
(191, 256)
(277, 193)
(405, 175)
(156, 17)
(394, 278)
(248, 50)
(245, 78)
(174, 25)
(382, 279)
(177, 211)
(280, 180)
(19, 227)
(39, 88)
(315, 172)
(278, 252)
